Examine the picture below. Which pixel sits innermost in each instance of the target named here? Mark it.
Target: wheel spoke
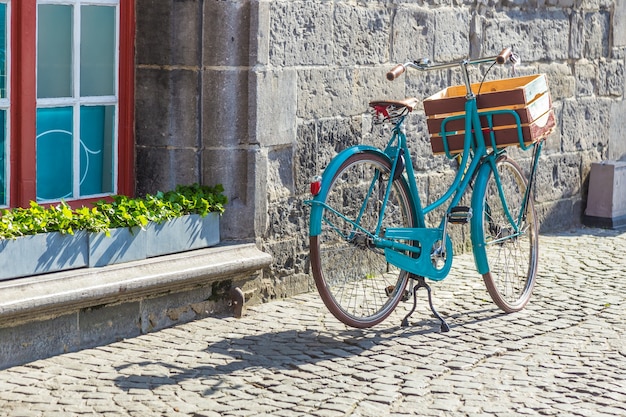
(350, 272)
(511, 256)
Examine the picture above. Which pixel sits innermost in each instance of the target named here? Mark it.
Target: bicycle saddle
(408, 103)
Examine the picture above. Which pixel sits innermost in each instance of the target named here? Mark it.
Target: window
(71, 115)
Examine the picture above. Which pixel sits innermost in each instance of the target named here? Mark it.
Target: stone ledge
(46, 296)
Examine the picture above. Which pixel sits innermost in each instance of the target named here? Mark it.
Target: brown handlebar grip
(395, 72)
(504, 55)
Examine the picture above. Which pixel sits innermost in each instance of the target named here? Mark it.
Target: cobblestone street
(564, 355)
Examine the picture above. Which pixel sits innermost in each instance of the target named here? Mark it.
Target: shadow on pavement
(284, 351)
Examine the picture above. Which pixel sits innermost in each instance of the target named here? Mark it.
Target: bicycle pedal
(405, 297)
(460, 215)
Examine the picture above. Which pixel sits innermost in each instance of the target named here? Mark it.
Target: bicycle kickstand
(421, 283)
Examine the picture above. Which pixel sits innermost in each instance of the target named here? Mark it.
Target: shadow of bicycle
(288, 351)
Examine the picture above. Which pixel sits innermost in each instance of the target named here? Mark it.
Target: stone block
(280, 175)
(167, 311)
(332, 92)
(452, 37)
(617, 131)
(260, 17)
(597, 33)
(273, 115)
(226, 33)
(288, 219)
(361, 35)
(561, 80)
(536, 34)
(606, 202)
(300, 33)
(177, 40)
(556, 216)
(585, 124)
(413, 34)
(611, 78)
(577, 36)
(225, 107)
(558, 177)
(38, 339)
(162, 169)
(586, 77)
(305, 162)
(243, 173)
(167, 107)
(335, 135)
(283, 255)
(103, 324)
(619, 29)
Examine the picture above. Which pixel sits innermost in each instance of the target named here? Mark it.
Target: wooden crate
(503, 135)
(527, 96)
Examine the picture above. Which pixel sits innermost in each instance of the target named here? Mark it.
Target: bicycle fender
(317, 204)
(476, 226)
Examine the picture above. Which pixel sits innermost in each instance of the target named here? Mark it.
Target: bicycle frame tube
(395, 147)
(317, 204)
(391, 152)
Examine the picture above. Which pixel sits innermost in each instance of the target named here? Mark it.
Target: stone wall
(259, 95)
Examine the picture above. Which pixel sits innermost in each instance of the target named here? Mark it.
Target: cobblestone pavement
(564, 355)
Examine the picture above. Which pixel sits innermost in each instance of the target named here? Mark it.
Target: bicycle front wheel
(509, 236)
(353, 278)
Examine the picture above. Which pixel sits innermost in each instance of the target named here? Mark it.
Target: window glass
(54, 51)
(97, 124)
(54, 153)
(97, 51)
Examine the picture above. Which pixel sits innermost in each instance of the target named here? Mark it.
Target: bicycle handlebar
(395, 72)
(504, 55)
(424, 64)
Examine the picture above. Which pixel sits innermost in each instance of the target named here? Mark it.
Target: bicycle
(368, 236)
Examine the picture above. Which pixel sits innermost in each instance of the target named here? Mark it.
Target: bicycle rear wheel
(353, 278)
(511, 255)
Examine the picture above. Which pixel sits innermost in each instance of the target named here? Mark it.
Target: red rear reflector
(316, 185)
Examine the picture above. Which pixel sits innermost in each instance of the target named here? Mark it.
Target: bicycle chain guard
(423, 264)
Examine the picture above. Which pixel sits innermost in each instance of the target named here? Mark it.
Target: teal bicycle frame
(478, 162)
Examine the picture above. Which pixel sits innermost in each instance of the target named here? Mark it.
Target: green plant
(36, 219)
(119, 211)
(196, 199)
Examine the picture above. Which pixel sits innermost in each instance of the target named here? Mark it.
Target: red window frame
(24, 102)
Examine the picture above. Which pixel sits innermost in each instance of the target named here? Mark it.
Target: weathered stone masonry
(259, 95)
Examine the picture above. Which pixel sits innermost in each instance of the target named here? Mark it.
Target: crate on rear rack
(513, 111)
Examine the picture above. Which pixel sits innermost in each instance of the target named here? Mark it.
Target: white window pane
(54, 51)
(97, 51)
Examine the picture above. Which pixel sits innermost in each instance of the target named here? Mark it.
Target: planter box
(182, 234)
(51, 252)
(42, 253)
(124, 245)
